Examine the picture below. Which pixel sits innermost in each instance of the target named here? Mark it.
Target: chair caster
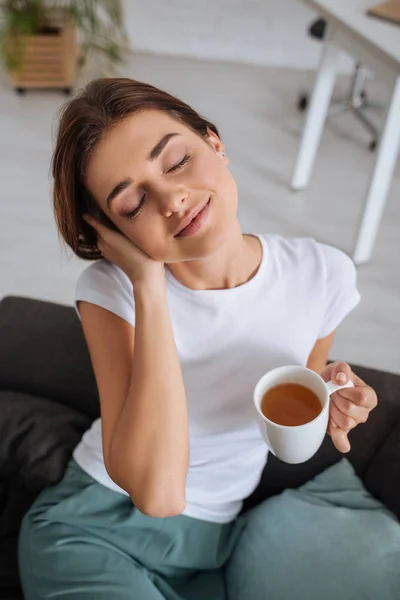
(302, 103)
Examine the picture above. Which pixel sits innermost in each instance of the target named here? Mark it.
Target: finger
(363, 396)
(357, 380)
(331, 425)
(341, 373)
(89, 219)
(350, 408)
(102, 232)
(342, 421)
(331, 419)
(340, 440)
(93, 222)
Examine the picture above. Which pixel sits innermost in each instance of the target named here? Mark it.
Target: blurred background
(250, 67)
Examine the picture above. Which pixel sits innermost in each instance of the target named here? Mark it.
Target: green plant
(100, 27)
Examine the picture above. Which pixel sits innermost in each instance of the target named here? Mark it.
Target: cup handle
(332, 387)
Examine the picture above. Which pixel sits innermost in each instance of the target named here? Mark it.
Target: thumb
(337, 372)
(340, 439)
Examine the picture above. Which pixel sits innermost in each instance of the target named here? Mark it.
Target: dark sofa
(48, 398)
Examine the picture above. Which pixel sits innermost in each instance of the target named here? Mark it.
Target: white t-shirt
(226, 340)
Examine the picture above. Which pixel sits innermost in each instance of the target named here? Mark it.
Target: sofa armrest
(383, 475)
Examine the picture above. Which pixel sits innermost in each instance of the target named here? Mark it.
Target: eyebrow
(120, 187)
(158, 148)
(153, 154)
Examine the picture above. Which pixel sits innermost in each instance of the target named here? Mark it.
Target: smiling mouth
(196, 222)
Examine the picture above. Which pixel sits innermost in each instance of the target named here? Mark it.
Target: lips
(192, 222)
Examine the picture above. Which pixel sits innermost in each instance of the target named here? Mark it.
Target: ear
(217, 146)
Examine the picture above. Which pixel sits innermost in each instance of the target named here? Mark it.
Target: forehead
(127, 142)
(139, 133)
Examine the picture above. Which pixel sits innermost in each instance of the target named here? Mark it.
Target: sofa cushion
(329, 539)
(43, 352)
(37, 437)
(17, 499)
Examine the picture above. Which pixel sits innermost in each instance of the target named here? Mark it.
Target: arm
(153, 425)
(142, 397)
(143, 404)
(319, 354)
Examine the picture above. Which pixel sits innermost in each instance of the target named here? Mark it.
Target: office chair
(357, 100)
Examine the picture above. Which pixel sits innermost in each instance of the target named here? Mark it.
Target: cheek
(209, 173)
(231, 187)
(227, 191)
(148, 234)
(213, 175)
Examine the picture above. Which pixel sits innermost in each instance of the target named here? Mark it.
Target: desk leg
(388, 150)
(316, 115)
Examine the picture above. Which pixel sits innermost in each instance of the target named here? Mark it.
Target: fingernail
(341, 377)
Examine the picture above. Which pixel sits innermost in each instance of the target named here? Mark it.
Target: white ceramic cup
(295, 444)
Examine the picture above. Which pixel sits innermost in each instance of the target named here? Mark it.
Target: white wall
(264, 32)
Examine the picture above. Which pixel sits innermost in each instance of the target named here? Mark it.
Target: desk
(376, 45)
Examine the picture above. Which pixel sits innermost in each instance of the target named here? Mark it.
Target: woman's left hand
(348, 407)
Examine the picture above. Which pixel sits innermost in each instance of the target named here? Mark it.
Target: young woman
(182, 314)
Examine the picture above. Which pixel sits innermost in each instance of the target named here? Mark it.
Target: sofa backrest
(43, 352)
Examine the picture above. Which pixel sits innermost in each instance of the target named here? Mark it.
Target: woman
(182, 315)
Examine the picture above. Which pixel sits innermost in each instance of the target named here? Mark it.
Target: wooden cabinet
(49, 60)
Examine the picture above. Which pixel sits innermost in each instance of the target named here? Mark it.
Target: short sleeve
(341, 294)
(106, 285)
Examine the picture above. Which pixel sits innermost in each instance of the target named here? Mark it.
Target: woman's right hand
(121, 251)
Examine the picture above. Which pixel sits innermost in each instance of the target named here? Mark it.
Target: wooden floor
(255, 109)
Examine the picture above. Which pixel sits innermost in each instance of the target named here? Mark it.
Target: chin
(210, 242)
(221, 230)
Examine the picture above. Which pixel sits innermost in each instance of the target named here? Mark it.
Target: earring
(222, 154)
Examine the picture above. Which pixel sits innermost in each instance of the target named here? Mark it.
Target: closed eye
(135, 211)
(180, 164)
(176, 167)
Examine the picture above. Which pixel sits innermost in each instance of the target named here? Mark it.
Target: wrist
(152, 283)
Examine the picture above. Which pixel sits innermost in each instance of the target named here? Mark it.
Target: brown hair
(83, 122)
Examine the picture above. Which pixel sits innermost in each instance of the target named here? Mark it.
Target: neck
(234, 263)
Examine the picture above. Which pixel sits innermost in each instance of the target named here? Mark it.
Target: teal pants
(83, 541)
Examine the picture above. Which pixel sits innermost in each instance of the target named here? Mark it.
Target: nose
(172, 201)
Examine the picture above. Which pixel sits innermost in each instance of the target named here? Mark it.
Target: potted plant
(39, 40)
